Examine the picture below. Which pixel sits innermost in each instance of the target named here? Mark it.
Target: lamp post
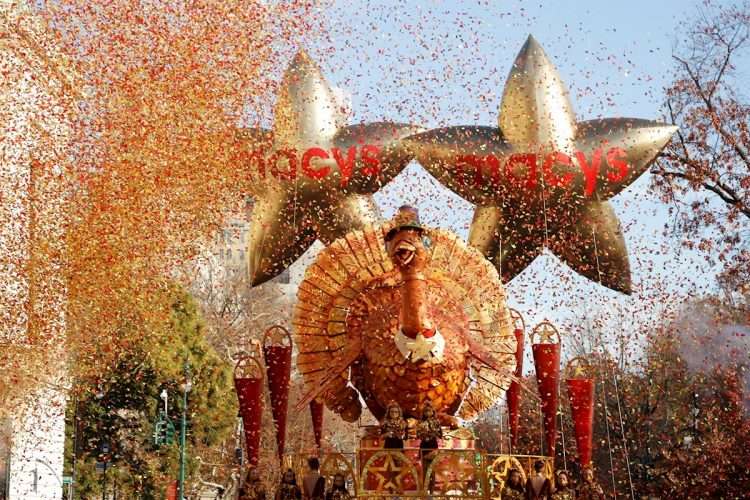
(183, 430)
(238, 449)
(691, 434)
(104, 451)
(695, 412)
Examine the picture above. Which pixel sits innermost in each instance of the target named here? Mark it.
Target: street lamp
(187, 387)
(164, 397)
(695, 412)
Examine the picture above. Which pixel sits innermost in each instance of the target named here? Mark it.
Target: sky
(445, 63)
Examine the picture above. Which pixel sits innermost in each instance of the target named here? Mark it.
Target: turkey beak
(404, 253)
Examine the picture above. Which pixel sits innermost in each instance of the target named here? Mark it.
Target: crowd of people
(313, 486)
(539, 487)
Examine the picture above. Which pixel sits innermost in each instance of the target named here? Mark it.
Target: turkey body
(383, 374)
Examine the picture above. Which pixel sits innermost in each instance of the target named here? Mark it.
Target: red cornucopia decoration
(546, 345)
(277, 352)
(248, 382)
(580, 385)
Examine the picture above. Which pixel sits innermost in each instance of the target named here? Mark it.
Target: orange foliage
(150, 173)
(170, 84)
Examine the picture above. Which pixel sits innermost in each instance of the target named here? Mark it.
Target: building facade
(37, 105)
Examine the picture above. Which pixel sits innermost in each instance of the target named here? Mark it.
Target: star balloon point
(313, 176)
(541, 178)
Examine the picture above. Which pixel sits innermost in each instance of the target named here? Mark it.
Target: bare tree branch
(710, 153)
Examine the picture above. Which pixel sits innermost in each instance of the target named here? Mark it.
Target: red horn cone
(316, 412)
(278, 359)
(514, 391)
(547, 366)
(581, 395)
(580, 383)
(248, 382)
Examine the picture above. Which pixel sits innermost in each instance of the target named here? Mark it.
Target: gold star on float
(312, 176)
(542, 179)
(545, 333)
(578, 368)
(454, 472)
(578, 371)
(390, 476)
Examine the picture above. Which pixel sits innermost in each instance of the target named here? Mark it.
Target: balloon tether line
(546, 246)
(604, 392)
(617, 394)
(562, 435)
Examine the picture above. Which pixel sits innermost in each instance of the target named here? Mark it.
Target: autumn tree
(121, 405)
(237, 314)
(704, 173)
(686, 418)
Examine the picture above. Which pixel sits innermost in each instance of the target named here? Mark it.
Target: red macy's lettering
(283, 164)
(287, 164)
(487, 169)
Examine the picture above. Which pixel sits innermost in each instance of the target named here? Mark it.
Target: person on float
(288, 489)
(428, 433)
(538, 487)
(513, 489)
(313, 484)
(253, 488)
(429, 429)
(393, 427)
(589, 489)
(338, 489)
(563, 489)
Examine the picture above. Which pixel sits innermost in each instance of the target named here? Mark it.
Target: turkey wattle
(403, 313)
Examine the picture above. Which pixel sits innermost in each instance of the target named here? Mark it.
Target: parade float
(397, 314)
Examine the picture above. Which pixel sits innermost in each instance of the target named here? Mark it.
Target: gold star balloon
(542, 179)
(313, 176)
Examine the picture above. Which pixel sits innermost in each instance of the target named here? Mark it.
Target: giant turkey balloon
(405, 316)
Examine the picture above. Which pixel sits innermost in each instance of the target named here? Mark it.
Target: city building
(32, 423)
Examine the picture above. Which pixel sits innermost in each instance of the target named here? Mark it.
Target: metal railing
(412, 473)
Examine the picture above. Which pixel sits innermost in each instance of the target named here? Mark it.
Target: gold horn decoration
(542, 178)
(312, 176)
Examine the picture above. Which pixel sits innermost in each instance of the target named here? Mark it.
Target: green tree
(120, 408)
